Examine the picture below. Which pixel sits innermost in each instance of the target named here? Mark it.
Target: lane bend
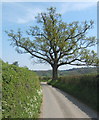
(58, 104)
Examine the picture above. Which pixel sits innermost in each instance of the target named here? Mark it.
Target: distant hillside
(74, 71)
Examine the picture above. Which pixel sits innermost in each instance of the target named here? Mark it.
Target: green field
(73, 71)
(21, 92)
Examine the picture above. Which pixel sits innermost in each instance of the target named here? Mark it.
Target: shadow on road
(80, 105)
(91, 113)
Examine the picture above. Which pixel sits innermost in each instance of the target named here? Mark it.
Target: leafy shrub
(44, 78)
(21, 92)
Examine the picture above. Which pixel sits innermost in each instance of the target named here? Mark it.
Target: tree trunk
(55, 72)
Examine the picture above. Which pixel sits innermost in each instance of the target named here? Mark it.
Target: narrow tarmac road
(57, 104)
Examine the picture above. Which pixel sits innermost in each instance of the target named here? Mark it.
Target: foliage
(44, 78)
(83, 87)
(45, 73)
(56, 42)
(16, 63)
(22, 94)
(74, 71)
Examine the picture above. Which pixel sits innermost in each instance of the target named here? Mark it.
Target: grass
(83, 87)
(22, 93)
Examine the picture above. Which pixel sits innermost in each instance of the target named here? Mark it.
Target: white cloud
(29, 16)
(28, 13)
(75, 6)
(24, 13)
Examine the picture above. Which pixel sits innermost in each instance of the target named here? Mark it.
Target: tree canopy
(56, 42)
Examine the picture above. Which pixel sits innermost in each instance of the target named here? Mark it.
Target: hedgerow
(21, 92)
(83, 87)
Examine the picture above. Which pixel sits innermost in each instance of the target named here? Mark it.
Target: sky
(22, 15)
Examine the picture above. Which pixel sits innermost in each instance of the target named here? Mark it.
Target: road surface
(57, 104)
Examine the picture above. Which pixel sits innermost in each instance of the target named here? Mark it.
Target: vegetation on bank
(22, 94)
(83, 87)
(73, 71)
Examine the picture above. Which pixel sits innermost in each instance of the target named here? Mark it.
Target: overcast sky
(22, 15)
